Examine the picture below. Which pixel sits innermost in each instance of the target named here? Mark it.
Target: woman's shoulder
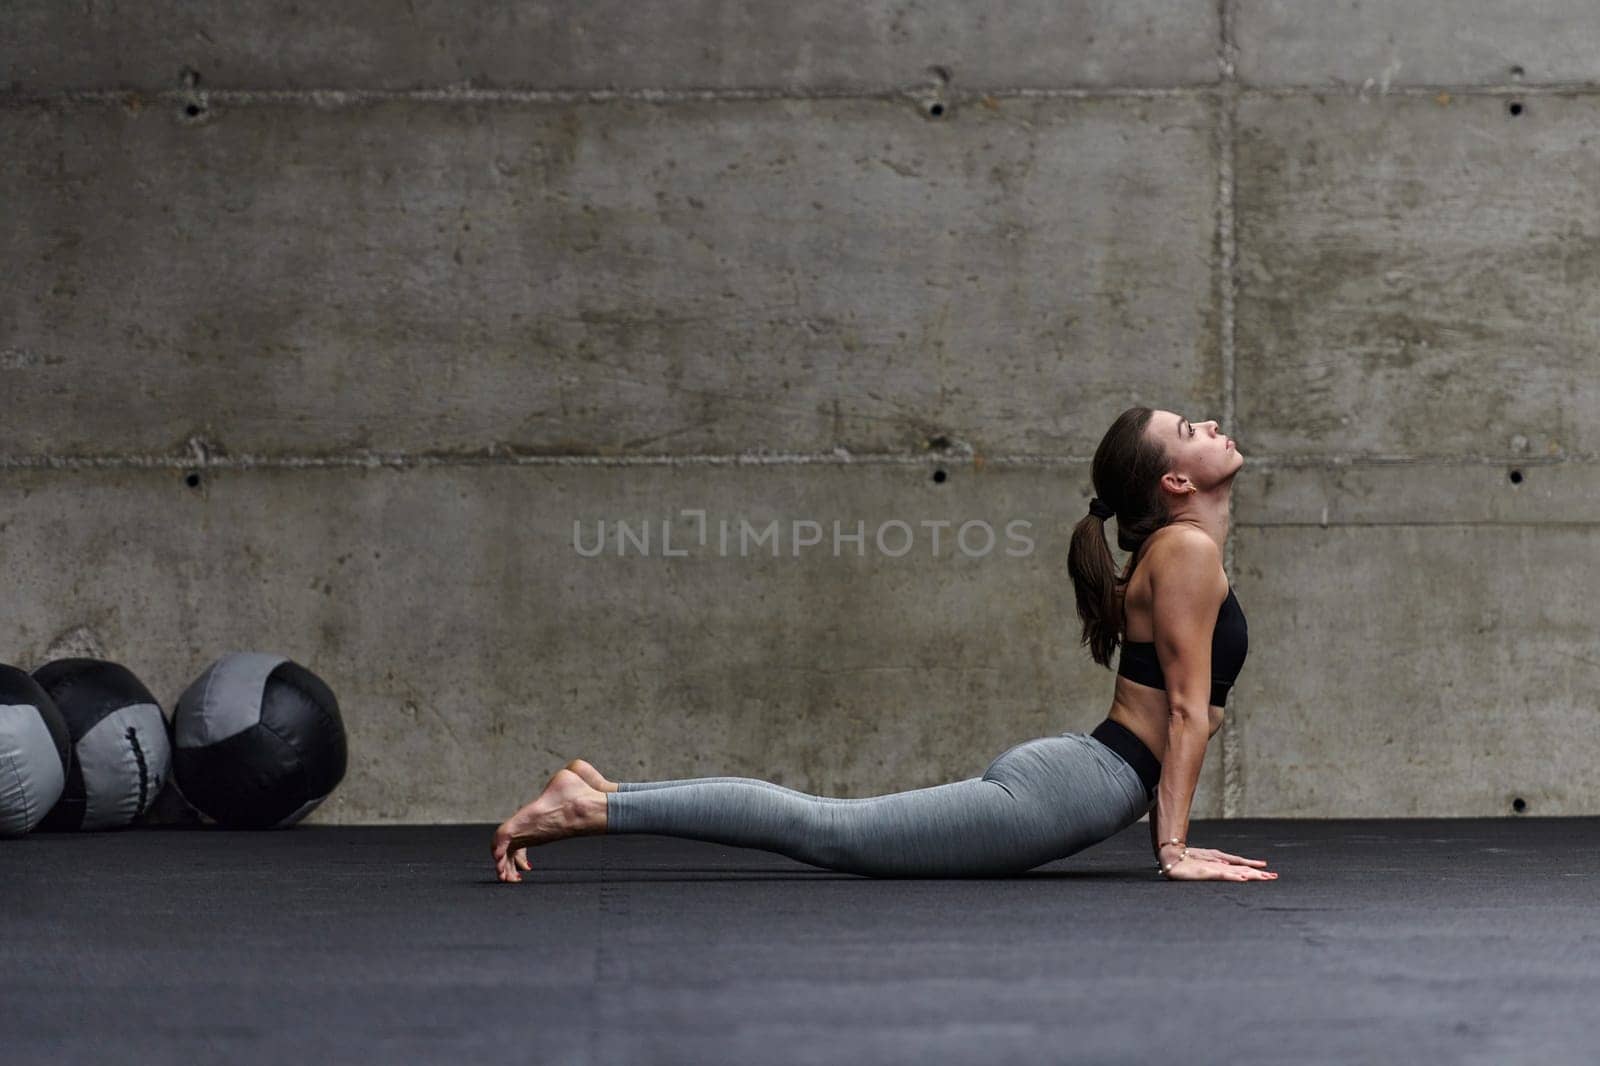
(1182, 549)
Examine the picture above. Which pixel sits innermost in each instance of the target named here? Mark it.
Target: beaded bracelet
(1164, 867)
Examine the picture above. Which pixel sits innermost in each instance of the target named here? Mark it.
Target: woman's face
(1199, 451)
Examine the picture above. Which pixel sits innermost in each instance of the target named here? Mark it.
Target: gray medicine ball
(120, 749)
(257, 741)
(35, 752)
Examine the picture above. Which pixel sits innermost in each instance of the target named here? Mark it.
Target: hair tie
(1100, 510)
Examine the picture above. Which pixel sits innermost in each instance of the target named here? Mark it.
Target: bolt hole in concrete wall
(189, 78)
(192, 479)
(936, 110)
(939, 476)
(1516, 477)
(1519, 804)
(1515, 108)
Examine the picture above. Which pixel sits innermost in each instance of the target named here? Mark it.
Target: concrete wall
(320, 330)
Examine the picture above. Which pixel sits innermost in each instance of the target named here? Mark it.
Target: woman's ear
(1177, 484)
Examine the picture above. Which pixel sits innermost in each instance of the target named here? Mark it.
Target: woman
(1167, 482)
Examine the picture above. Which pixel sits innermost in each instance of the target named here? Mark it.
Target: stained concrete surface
(601, 45)
(595, 279)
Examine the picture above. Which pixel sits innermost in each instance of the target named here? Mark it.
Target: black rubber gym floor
(1440, 941)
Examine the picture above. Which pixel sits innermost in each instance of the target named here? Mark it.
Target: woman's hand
(1213, 855)
(1191, 868)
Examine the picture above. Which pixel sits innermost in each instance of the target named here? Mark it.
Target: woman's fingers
(1241, 860)
(522, 859)
(1212, 870)
(1214, 855)
(1258, 875)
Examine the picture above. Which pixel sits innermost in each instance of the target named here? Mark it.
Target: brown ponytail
(1126, 472)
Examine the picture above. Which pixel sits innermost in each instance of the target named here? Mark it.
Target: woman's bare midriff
(1145, 710)
(1142, 709)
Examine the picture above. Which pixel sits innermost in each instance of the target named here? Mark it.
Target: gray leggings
(1041, 800)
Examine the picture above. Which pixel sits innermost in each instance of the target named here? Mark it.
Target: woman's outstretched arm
(1189, 586)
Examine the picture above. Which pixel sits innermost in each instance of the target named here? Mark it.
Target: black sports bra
(1230, 641)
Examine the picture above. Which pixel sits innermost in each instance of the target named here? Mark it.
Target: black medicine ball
(120, 749)
(258, 741)
(35, 750)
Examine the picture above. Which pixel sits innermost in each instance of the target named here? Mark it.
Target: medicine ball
(35, 752)
(258, 741)
(120, 750)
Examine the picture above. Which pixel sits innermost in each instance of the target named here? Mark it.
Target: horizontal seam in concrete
(247, 462)
(1504, 89)
(345, 97)
(354, 97)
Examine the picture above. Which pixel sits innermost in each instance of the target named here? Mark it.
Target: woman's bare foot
(595, 778)
(567, 807)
